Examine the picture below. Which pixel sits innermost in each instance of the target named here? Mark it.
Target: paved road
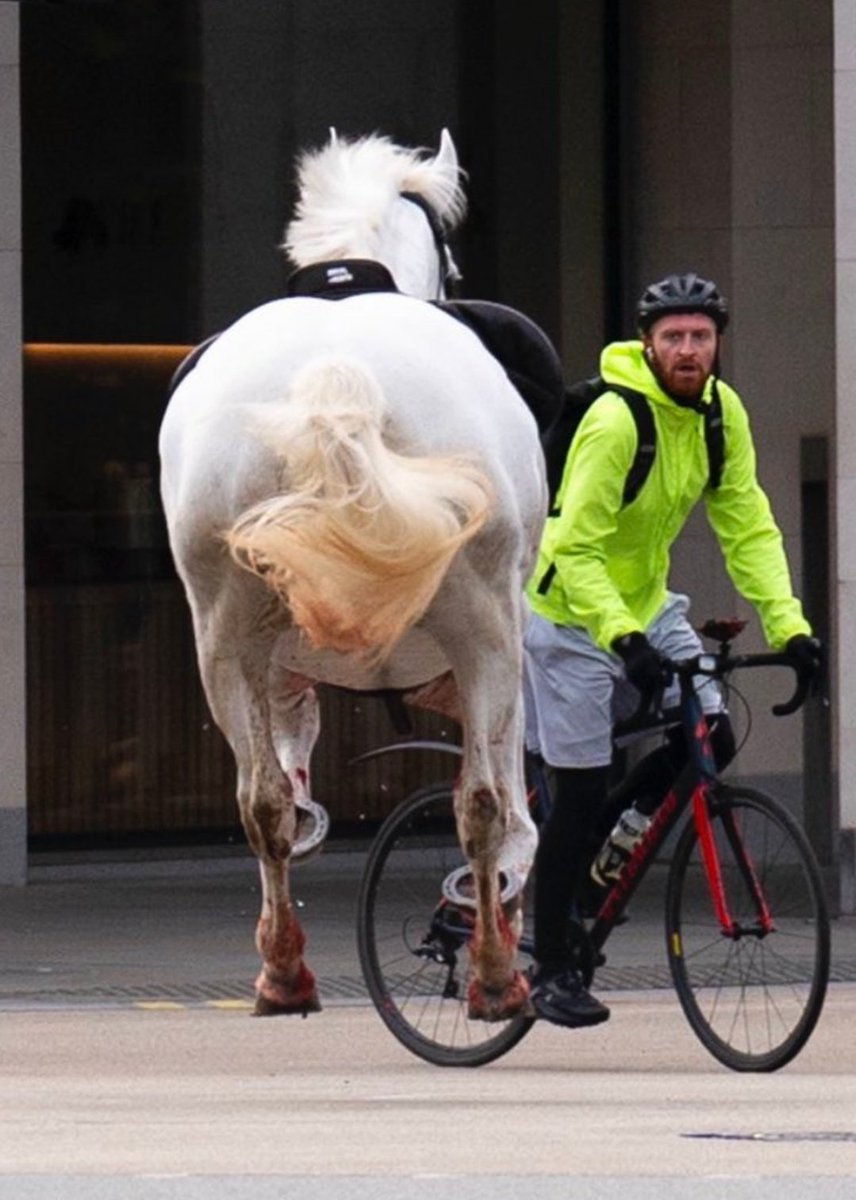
(187, 1094)
(129, 1066)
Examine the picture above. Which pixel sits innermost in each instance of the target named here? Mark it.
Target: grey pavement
(99, 1099)
(137, 928)
(487, 1187)
(108, 928)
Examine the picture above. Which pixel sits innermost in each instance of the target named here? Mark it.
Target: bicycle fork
(702, 798)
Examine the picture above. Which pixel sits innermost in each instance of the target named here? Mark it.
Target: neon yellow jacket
(606, 568)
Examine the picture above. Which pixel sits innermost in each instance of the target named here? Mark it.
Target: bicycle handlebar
(717, 665)
(803, 679)
(649, 715)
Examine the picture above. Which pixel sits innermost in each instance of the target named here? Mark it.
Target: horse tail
(362, 536)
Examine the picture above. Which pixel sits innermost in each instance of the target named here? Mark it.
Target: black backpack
(579, 397)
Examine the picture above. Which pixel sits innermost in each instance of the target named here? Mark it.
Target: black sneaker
(559, 996)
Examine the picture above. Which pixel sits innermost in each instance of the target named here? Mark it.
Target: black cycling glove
(808, 653)
(643, 665)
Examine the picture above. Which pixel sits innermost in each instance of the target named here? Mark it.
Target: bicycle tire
(752, 1000)
(415, 975)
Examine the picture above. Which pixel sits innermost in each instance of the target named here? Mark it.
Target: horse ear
(447, 155)
(445, 192)
(334, 137)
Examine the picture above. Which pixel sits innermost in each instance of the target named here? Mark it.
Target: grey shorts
(574, 691)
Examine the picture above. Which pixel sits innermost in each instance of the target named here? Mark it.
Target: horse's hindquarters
(360, 541)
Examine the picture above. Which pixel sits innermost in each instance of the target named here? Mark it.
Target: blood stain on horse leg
(285, 984)
(491, 1002)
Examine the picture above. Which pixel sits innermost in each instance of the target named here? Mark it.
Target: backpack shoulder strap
(557, 438)
(646, 435)
(714, 436)
(643, 460)
(579, 398)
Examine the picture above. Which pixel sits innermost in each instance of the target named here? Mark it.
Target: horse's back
(408, 344)
(445, 393)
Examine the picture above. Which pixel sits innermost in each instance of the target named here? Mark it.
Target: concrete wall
(277, 76)
(730, 132)
(12, 697)
(845, 457)
(582, 278)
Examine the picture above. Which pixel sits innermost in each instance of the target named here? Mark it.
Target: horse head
(369, 198)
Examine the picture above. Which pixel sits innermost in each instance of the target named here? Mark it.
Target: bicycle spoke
(413, 944)
(752, 993)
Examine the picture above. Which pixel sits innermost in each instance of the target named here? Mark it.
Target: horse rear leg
(497, 989)
(494, 828)
(235, 670)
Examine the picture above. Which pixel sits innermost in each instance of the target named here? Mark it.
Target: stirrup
(457, 887)
(315, 818)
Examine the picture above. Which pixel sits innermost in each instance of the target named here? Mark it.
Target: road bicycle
(746, 921)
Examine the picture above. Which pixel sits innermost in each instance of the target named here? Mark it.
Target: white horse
(354, 493)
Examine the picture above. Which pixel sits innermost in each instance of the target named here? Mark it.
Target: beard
(682, 381)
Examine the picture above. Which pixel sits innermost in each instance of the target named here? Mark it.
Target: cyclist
(602, 612)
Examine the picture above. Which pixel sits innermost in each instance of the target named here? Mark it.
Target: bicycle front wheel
(413, 944)
(752, 994)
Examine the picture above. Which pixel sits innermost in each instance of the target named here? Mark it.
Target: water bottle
(628, 832)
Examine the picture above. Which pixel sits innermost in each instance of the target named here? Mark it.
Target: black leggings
(562, 854)
(583, 814)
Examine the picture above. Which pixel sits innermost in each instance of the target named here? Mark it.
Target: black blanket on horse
(522, 348)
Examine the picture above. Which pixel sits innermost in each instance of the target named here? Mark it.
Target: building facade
(147, 152)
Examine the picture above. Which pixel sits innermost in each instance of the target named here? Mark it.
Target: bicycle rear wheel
(753, 997)
(413, 944)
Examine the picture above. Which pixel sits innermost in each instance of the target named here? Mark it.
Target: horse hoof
(498, 1004)
(266, 1007)
(277, 996)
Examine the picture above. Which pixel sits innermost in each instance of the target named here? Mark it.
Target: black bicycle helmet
(681, 294)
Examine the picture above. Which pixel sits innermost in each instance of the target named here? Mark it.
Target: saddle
(521, 347)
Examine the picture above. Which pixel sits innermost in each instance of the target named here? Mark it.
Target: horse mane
(346, 188)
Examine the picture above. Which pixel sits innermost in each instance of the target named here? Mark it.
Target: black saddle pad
(524, 350)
